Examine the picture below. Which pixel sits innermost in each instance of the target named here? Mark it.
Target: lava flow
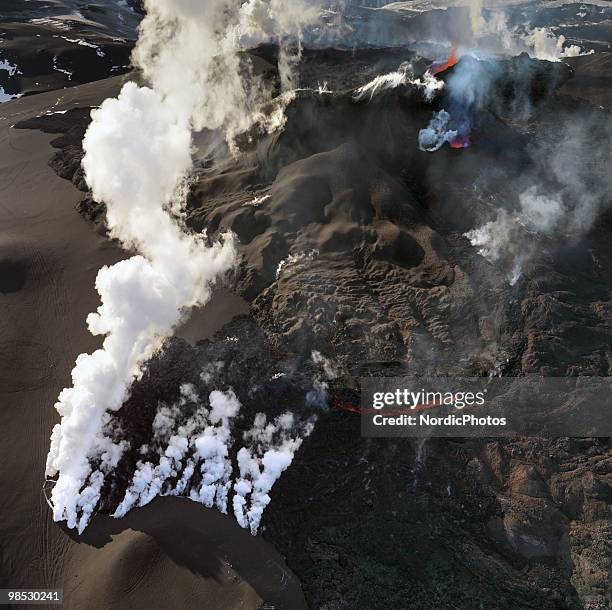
(460, 141)
(436, 68)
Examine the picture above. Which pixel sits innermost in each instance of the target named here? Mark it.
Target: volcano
(357, 255)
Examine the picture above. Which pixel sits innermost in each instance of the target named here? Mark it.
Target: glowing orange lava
(460, 142)
(449, 63)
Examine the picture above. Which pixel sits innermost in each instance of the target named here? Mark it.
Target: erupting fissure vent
(436, 68)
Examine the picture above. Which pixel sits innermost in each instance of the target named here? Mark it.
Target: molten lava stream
(460, 142)
(449, 63)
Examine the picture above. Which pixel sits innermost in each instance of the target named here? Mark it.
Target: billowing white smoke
(137, 152)
(205, 39)
(270, 451)
(317, 397)
(496, 35)
(428, 83)
(206, 437)
(212, 447)
(380, 83)
(543, 44)
(137, 159)
(576, 163)
(506, 237)
(437, 133)
(476, 19)
(281, 22)
(468, 90)
(202, 442)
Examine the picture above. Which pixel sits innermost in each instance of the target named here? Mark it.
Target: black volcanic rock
(46, 58)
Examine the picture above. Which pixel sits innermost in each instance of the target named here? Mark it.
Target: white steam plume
(137, 157)
(204, 40)
(496, 35)
(206, 437)
(270, 451)
(137, 152)
(577, 163)
(541, 43)
(511, 238)
(437, 133)
(476, 19)
(317, 397)
(203, 442)
(212, 448)
(281, 22)
(404, 75)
